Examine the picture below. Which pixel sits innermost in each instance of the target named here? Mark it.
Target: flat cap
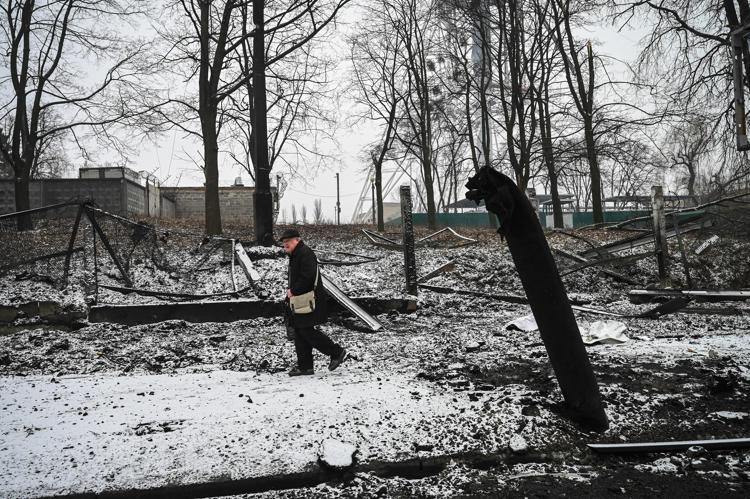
(288, 234)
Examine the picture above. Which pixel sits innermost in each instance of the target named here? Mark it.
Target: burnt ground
(685, 376)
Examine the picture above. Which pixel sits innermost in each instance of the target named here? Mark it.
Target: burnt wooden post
(660, 231)
(545, 292)
(410, 260)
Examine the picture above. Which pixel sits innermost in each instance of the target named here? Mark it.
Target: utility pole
(338, 201)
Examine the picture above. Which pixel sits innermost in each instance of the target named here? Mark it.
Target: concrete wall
(167, 208)
(235, 203)
(115, 195)
(107, 193)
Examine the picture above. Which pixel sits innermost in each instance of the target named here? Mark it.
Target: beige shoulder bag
(305, 303)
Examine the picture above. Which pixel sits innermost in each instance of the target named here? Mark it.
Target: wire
(323, 196)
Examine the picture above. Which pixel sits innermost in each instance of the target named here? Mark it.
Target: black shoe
(336, 361)
(301, 372)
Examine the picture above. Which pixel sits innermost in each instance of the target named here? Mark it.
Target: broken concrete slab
(210, 311)
(48, 311)
(228, 310)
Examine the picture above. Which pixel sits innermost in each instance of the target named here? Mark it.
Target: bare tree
(41, 46)
(318, 212)
(580, 76)
(209, 46)
(294, 215)
(687, 56)
(304, 214)
(377, 64)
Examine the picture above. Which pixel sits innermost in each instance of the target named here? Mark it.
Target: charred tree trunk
(208, 111)
(262, 199)
(23, 201)
(546, 294)
(379, 195)
(545, 132)
(594, 171)
(211, 173)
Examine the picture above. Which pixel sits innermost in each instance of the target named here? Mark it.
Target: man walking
(304, 278)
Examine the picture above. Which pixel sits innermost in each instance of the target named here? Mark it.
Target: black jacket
(302, 268)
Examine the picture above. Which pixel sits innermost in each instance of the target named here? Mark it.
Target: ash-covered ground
(448, 385)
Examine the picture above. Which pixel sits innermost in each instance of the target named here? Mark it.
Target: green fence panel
(580, 218)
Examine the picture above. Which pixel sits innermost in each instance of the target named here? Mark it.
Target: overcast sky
(169, 160)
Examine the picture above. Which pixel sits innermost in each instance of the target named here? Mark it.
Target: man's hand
(289, 293)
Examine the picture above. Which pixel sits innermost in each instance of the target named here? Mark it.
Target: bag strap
(316, 274)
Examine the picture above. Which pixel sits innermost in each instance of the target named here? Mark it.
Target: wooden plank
(641, 295)
(618, 260)
(637, 241)
(608, 272)
(247, 265)
(448, 267)
(231, 269)
(338, 295)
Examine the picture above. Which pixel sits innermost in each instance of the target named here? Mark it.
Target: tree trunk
(429, 188)
(545, 129)
(379, 194)
(549, 160)
(23, 201)
(262, 200)
(691, 181)
(595, 174)
(211, 172)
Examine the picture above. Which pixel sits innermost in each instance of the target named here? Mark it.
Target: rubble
(678, 377)
(336, 455)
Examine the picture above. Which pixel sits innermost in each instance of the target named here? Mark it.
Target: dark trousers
(307, 338)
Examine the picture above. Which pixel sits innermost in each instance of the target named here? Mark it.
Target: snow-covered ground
(77, 412)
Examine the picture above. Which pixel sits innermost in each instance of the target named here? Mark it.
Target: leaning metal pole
(546, 294)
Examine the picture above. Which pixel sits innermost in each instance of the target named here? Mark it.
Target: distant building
(391, 211)
(124, 192)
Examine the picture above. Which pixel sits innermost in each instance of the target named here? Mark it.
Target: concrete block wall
(126, 198)
(167, 207)
(107, 193)
(235, 203)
